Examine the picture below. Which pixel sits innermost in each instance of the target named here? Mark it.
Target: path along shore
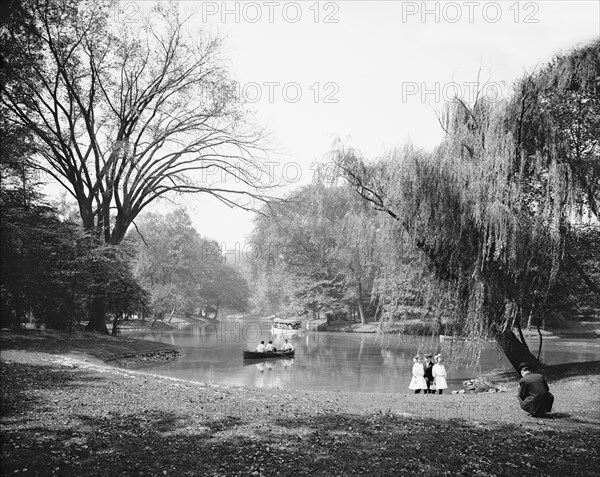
(66, 412)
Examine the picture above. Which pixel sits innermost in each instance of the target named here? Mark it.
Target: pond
(331, 361)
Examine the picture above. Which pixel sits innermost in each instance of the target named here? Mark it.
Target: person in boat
(428, 367)
(261, 348)
(439, 374)
(534, 393)
(287, 346)
(270, 347)
(418, 381)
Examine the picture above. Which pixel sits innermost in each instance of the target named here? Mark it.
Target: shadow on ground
(122, 434)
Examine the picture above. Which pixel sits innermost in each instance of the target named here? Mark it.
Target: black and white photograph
(297, 238)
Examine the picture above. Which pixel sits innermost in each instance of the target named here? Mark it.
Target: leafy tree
(558, 126)
(183, 271)
(123, 117)
(488, 214)
(169, 261)
(357, 249)
(51, 268)
(314, 253)
(109, 270)
(576, 292)
(558, 121)
(225, 287)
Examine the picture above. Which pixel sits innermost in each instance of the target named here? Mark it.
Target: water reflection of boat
(268, 354)
(269, 364)
(260, 363)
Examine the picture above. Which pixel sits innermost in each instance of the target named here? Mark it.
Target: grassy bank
(65, 412)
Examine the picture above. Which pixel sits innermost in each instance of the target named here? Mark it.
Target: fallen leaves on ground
(64, 418)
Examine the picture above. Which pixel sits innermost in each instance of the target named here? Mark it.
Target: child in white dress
(418, 381)
(439, 374)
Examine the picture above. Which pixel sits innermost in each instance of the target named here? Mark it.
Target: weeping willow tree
(557, 111)
(490, 209)
(557, 115)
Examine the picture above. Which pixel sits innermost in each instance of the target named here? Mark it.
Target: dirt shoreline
(66, 412)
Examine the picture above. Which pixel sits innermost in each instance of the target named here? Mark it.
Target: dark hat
(524, 365)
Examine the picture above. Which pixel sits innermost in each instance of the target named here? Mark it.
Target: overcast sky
(371, 73)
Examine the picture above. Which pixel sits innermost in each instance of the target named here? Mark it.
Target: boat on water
(268, 354)
(281, 325)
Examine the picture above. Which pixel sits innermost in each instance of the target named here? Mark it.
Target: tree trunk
(18, 312)
(361, 311)
(98, 319)
(216, 312)
(115, 326)
(529, 320)
(516, 351)
(170, 316)
(157, 317)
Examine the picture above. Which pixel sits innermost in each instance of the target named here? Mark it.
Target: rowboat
(281, 325)
(268, 354)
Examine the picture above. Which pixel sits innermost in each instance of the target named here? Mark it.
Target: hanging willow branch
(474, 216)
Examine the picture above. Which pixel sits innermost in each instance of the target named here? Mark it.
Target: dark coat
(429, 372)
(534, 394)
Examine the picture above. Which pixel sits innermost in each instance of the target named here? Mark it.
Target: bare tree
(122, 117)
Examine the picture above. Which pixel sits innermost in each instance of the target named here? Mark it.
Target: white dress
(439, 376)
(418, 381)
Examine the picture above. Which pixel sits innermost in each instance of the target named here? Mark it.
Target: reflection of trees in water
(351, 363)
(456, 352)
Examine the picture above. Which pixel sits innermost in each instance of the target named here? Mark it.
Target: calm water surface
(330, 361)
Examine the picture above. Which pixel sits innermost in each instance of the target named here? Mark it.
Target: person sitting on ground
(439, 374)
(534, 393)
(261, 347)
(287, 346)
(270, 347)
